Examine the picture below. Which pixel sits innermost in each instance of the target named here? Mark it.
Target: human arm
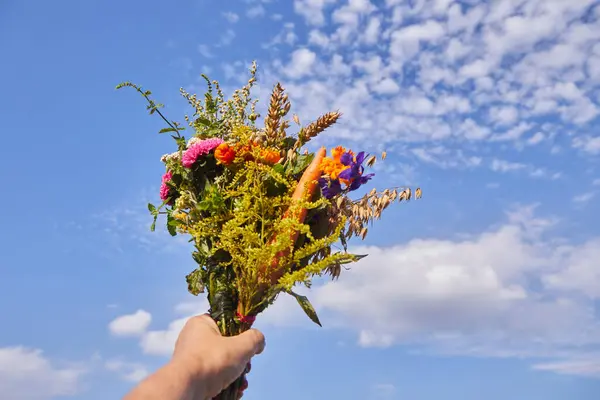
(203, 363)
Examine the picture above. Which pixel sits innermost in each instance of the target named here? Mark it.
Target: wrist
(190, 374)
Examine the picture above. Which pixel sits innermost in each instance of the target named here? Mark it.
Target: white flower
(193, 140)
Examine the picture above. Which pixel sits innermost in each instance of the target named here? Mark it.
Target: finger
(207, 320)
(248, 344)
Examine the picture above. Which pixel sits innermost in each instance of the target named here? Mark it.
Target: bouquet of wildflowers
(264, 214)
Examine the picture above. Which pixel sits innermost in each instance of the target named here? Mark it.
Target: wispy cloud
(582, 367)
(584, 197)
(481, 79)
(231, 17)
(256, 11)
(205, 51)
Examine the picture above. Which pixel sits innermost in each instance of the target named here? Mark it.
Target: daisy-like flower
(197, 149)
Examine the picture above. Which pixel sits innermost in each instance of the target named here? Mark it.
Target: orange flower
(270, 156)
(337, 152)
(245, 151)
(332, 166)
(225, 154)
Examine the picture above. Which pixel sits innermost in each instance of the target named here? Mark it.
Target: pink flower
(164, 188)
(190, 156)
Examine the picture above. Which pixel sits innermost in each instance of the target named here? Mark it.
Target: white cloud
(205, 51)
(26, 374)
(581, 273)
(506, 166)
(156, 342)
(301, 63)
(162, 342)
(520, 62)
(256, 11)
(588, 144)
(405, 43)
(286, 35)
(131, 325)
(227, 37)
(386, 86)
(582, 367)
(373, 30)
(504, 115)
(584, 197)
(536, 138)
(384, 391)
(231, 17)
(470, 295)
(318, 38)
(130, 372)
(312, 10)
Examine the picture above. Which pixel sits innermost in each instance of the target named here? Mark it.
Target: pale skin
(203, 363)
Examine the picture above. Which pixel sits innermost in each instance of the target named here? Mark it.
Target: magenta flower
(164, 188)
(190, 156)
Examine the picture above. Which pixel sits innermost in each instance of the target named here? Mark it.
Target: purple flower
(354, 174)
(330, 188)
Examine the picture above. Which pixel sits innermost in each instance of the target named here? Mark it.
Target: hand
(214, 361)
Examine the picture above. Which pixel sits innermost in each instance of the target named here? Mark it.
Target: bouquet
(263, 213)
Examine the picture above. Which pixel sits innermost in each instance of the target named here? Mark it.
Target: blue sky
(488, 287)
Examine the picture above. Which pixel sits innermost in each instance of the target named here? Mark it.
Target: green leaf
(195, 281)
(181, 143)
(212, 132)
(202, 121)
(288, 142)
(302, 161)
(153, 226)
(171, 224)
(165, 130)
(279, 169)
(152, 209)
(307, 307)
(355, 258)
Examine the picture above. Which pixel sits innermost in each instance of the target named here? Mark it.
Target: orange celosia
(225, 154)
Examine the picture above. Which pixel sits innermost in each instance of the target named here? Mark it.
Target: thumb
(248, 343)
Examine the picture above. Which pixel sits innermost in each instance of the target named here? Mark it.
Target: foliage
(233, 188)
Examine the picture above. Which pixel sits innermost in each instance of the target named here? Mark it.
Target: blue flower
(330, 188)
(354, 174)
